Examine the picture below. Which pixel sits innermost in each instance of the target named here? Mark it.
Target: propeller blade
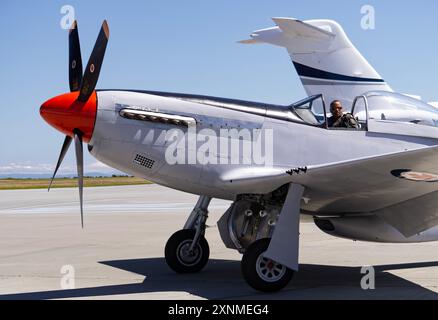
(80, 168)
(91, 74)
(64, 149)
(74, 58)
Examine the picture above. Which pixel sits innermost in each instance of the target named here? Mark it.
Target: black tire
(270, 278)
(177, 257)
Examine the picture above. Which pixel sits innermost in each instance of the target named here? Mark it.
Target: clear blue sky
(187, 46)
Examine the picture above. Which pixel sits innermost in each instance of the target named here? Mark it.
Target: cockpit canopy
(390, 106)
(380, 106)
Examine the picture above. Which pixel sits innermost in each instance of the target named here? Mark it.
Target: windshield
(311, 110)
(397, 107)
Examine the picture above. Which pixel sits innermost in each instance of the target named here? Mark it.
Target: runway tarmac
(119, 253)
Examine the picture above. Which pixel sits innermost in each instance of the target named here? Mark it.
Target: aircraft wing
(401, 187)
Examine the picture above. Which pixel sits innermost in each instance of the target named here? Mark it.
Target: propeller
(91, 74)
(84, 83)
(75, 59)
(80, 169)
(64, 149)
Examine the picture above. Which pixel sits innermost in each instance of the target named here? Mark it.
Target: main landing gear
(266, 231)
(187, 250)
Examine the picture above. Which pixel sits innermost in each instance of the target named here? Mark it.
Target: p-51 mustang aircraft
(376, 183)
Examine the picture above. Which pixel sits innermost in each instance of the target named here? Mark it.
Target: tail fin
(324, 58)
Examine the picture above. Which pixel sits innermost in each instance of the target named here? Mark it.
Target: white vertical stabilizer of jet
(324, 58)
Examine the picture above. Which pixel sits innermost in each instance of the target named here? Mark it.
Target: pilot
(339, 119)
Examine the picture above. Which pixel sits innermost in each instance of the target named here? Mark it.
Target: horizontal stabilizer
(249, 41)
(296, 28)
(434, 104)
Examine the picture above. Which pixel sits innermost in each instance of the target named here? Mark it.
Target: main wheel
(178, 255)
(261, 273)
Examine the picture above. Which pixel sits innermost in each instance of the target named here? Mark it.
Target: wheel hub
(269, 270)
(186, 256)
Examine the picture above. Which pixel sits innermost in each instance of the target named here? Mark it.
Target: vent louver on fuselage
(144, 161)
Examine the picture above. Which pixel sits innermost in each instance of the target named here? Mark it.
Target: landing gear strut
(187, 250)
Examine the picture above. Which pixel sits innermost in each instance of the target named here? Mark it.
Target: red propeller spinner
(68, 115)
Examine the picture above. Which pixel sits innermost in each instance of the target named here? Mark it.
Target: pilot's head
(336, 108)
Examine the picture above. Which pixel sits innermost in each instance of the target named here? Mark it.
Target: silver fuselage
(117, 141)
